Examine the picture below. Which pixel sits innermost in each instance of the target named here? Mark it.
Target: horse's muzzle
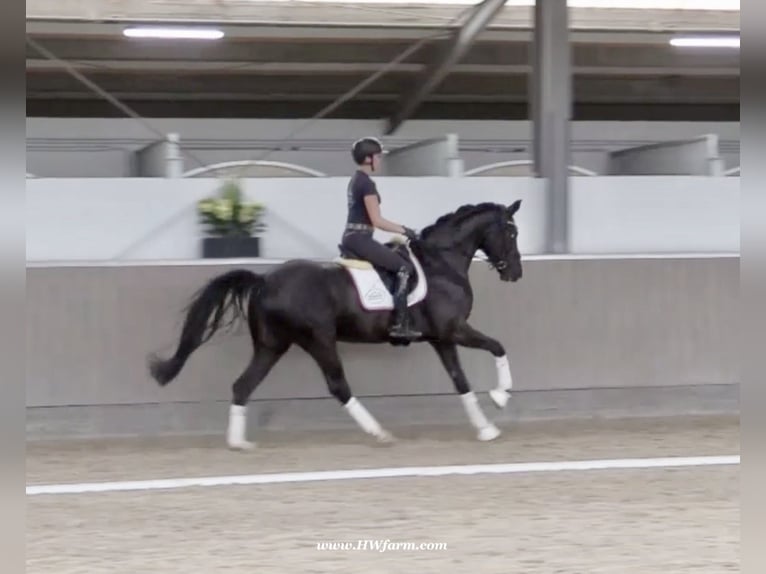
(507, 272)
(508, 276)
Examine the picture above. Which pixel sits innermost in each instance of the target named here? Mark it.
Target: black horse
(315, 305)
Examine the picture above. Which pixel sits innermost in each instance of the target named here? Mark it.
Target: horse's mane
(458, 216)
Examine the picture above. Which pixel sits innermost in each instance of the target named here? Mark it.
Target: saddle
(375, 285)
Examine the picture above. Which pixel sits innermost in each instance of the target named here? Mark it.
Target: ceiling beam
(341, 14)
(584, 93)
(81, 32)
(226, 68)
(111, 66)
(460, 42)
(588, 97)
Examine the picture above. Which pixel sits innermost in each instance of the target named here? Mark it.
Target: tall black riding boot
(401, 327)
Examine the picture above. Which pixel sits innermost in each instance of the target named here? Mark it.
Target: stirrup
(402, 332)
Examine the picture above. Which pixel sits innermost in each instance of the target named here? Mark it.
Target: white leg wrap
(236, 433)
(501, 393)
(487, 431)
(504, 380)
(364, 419)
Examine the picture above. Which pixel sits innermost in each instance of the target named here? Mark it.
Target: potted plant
(231, 223)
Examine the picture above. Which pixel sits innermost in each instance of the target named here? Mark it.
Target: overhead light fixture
(722, 5)
(173, 33)
(706, 42)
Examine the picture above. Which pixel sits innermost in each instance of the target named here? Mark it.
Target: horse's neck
(458, 255)
(467, 243)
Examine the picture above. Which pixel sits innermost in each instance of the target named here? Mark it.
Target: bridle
(506, 225)
(500, 265)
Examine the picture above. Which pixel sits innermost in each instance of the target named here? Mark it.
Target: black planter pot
(230, 247)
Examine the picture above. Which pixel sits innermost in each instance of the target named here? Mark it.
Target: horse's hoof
(488, 433)
(385, 437)
(242, 446)
(499, 397)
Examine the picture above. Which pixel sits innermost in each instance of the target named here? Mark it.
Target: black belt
(359, 227)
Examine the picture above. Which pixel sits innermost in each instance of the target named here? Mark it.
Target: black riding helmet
(364, 148)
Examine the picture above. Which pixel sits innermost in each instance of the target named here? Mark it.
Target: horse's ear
(514, 207)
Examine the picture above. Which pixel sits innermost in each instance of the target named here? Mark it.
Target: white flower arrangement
(228, 215)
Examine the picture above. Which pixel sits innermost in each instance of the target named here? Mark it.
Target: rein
(499, 264)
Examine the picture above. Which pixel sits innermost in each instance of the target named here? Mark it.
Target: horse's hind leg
(262, 362)
(325, 353)
(448, 354)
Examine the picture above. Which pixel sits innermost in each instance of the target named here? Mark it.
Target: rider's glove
(411, 234)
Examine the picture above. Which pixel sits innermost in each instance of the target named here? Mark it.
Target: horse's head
(487, 226)
(499, 242)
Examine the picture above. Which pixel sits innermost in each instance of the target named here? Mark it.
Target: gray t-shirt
(360, 186)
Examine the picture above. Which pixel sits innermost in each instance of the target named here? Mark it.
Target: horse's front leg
(467, 336)
(448, 354)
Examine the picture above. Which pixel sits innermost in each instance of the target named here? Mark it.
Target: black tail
(204, 317)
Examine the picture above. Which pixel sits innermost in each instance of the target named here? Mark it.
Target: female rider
(363, 218)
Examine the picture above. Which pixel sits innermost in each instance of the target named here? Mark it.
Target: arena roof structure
(290, 58)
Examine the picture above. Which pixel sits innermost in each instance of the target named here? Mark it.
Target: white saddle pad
(373, 294)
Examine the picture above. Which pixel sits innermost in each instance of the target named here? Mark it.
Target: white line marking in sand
(399, 472)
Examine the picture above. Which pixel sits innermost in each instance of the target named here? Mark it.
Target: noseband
(500, 265)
